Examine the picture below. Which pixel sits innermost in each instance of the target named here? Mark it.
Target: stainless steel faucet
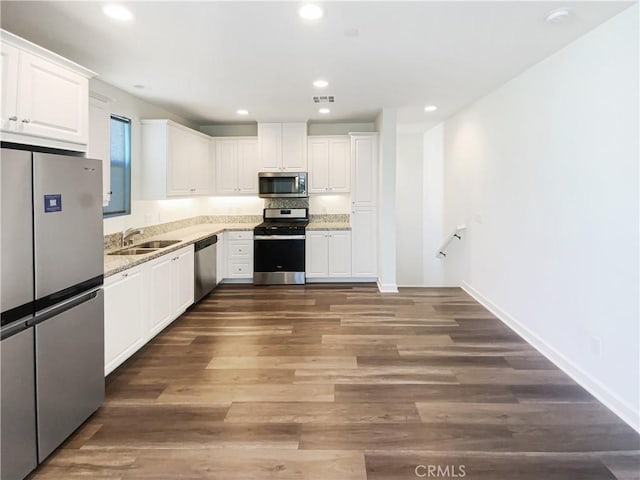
(128, 233)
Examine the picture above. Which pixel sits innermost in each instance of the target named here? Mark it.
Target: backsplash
(330, 218)
(286, 203)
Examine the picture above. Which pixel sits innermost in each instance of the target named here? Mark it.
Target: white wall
(420, 217)
(433, 211)
(386, 125)
(339, 128)
(409, 209)
(544, 170)
(235, 130)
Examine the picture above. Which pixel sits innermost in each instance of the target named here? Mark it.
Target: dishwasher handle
(207, 242)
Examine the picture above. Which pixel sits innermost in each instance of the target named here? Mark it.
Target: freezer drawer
(69, 368)
(18, 419)
(67, 213)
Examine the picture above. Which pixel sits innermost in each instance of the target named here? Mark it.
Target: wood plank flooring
(344, 383)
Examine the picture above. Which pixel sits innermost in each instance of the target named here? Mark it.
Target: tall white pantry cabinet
(364, 210)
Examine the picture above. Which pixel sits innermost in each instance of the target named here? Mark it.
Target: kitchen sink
(157, 244)
(133, 251)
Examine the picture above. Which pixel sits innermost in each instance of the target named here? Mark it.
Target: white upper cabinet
(9, 83)
(226, 158)
(45, 97)
(283, 147)
(364, 170)
(175, 159)
(329, 164)
(270, 146)
(201, 163)
(248, 166)
(294, 147)
(179, 178)
(236, 162)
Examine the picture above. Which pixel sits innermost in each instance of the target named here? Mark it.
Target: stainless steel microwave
(282, 184)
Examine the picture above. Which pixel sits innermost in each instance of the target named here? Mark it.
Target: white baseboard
(236, 280)
(611, 400)
(387, 287)
(339, 280)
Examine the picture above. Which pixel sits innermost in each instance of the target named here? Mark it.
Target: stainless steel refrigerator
(52, 332)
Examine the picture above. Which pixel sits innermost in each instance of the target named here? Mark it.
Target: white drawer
(240, 269)
(241, 235)
(240, 249)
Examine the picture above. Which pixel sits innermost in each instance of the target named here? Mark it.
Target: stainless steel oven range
(278, 247)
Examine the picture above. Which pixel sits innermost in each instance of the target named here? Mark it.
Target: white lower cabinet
(328, 254)
(182, 280)
(239, 252)
(124, 317)
(220, 257)
(160, 296)
(171, 288)
(364, 261)
(142, 301)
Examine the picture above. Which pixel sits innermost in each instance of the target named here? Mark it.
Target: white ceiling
(204, 60)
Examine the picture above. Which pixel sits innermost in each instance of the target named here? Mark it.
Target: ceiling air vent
(324, 99)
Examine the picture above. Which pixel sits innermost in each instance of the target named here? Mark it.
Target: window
(120, 203)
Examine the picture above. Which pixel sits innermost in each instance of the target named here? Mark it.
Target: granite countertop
(117, 263)
(329, 226)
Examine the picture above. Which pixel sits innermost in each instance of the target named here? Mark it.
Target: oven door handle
(279, 237)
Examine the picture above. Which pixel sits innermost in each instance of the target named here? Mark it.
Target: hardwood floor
(344, 383)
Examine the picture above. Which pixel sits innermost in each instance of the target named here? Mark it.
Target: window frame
(127, 168)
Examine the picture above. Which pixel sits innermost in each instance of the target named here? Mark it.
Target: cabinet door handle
(26, 120)
(192, 190)
(13, 119)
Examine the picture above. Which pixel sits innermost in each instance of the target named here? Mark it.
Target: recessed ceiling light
(558, 15)
(310, 11)
(320, 83)
(430, 108)
(242, 111)
(117, 12)
(324, 111)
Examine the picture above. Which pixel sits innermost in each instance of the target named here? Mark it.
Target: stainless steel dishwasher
(205, 267)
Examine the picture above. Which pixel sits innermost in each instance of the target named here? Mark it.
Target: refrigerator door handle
(13, 329)
(61, 308)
